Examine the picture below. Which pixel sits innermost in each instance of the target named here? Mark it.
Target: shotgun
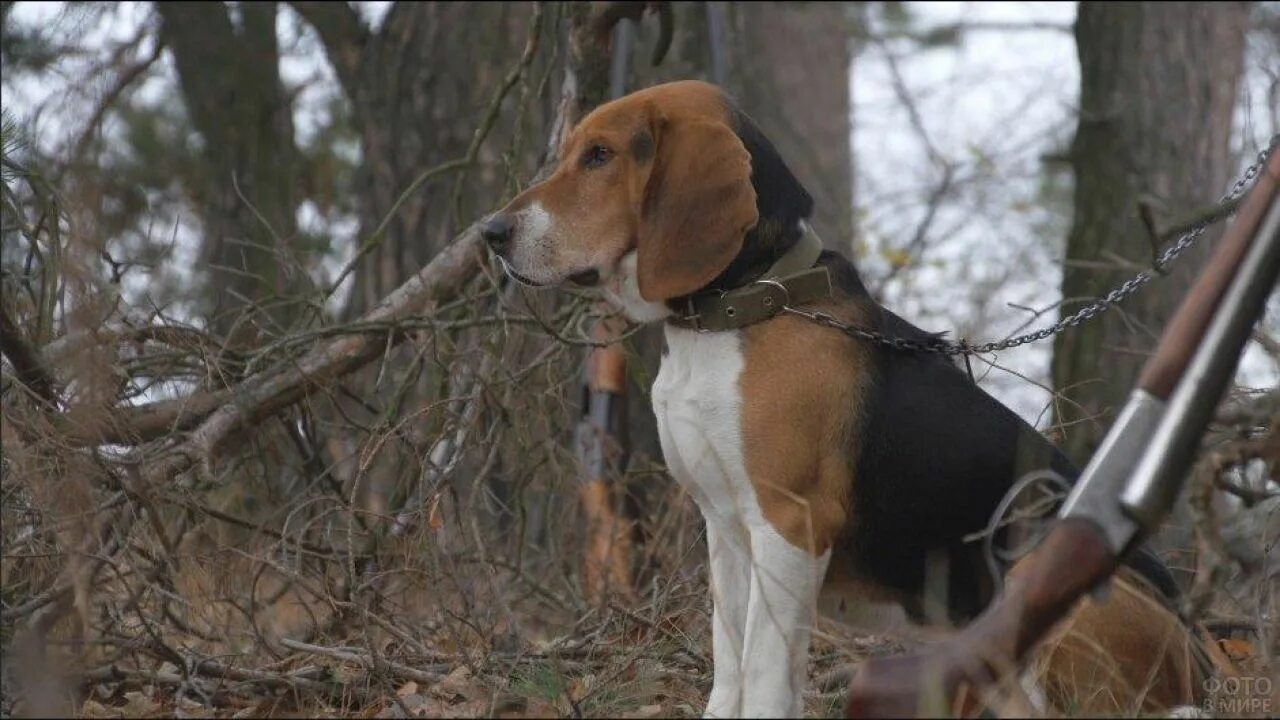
(601, 436)
(1127, 487)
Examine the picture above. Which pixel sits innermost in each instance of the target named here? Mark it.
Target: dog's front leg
(780, 615)
(729, 554)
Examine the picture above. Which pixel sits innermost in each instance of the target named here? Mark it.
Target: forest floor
(644, 661)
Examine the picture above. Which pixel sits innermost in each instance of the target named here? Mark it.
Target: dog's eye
(596, 155)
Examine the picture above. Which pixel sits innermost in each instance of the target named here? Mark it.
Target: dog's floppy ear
(698, 205)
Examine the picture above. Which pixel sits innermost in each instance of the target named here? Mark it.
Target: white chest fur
(764, 589)
(698, 403)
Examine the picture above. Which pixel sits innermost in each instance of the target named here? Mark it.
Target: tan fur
(1125, 655)
(698, 208)
(801, 391)
(854, 601)
(684, 204)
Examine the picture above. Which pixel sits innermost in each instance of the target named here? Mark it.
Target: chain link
(1111, 299)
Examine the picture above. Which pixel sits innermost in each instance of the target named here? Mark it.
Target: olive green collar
(791, 281)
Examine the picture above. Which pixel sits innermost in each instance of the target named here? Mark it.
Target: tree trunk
(417, 87)
(247, 197)
(791, 73)
(1158, 87)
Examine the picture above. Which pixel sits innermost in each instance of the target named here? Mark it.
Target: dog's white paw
(724, 702)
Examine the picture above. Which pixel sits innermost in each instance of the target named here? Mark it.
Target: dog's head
(652, 199)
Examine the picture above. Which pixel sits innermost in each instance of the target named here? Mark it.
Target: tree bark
(417, 86)
(247, 196)
(1158, 87)
(791, 72)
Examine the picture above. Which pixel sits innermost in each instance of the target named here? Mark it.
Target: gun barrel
(1132, 479)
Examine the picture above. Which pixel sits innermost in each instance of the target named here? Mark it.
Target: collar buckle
(791, 279)
(768, 301)
(692, 315)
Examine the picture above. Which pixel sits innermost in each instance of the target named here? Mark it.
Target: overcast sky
(1008, 95)
(1012, 95)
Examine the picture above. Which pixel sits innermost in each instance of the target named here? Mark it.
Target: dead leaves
(460, 694)
(457, 685)
(136, 705)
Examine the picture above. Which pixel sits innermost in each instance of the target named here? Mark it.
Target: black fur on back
(935, 456)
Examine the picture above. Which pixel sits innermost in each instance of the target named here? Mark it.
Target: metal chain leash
(1115, 297)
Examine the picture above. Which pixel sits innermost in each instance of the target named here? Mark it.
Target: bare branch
(343, 34)
(26, 361)
(263, 395)
(123, 82)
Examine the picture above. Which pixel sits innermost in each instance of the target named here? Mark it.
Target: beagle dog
(831, 472)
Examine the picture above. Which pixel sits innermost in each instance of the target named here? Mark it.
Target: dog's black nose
(496, 230)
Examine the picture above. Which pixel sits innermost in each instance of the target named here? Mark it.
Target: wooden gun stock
(1075, 556)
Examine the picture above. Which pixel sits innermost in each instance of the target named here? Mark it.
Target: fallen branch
(368, 662)
(263, 395)
(310, 679)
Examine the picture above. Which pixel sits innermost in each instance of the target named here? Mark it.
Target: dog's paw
(723, 703)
